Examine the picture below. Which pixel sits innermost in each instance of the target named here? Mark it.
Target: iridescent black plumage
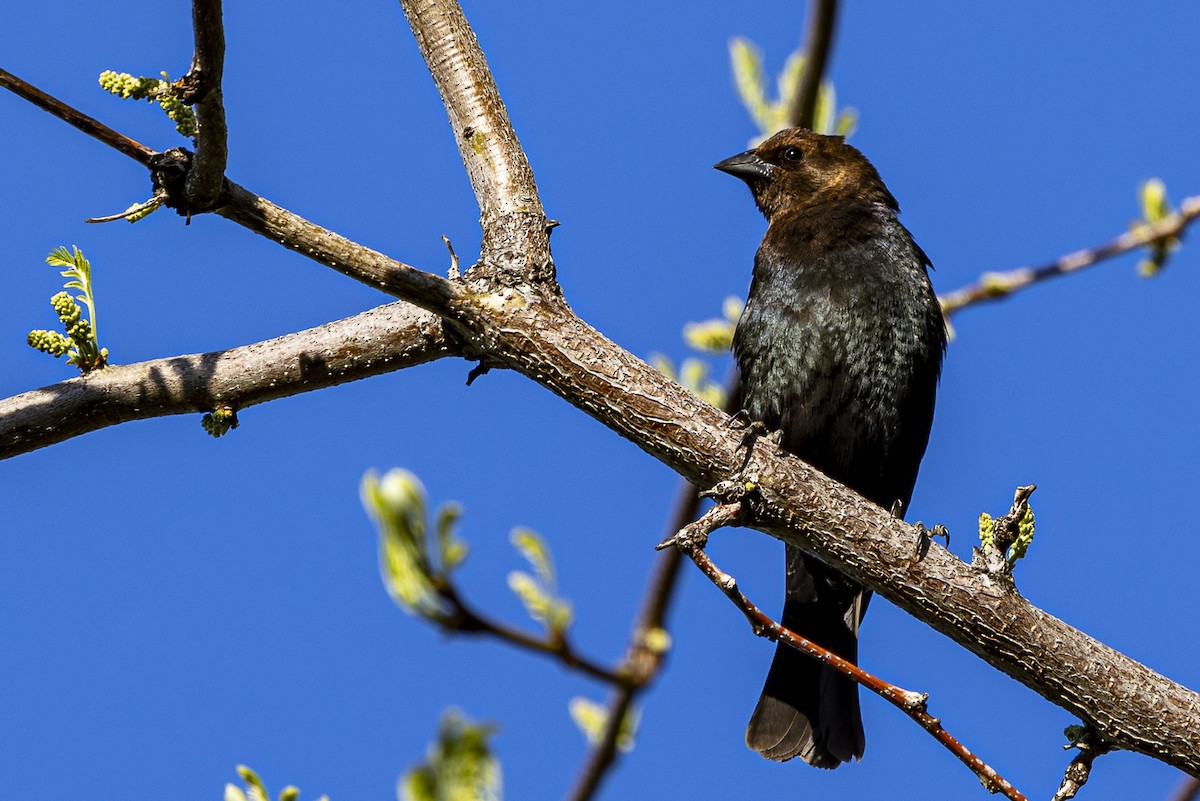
(839, 348)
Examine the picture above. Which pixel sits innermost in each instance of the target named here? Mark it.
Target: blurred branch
(1188, 790)
(463, 618)
(817, 47)
(119, 142)
(994, 286)
(691, 539)
(643, 662)
(381, 340)
(203, 82)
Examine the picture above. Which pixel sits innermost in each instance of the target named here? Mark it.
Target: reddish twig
(692, 539)
(91, 127)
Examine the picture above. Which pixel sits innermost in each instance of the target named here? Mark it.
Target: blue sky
(173, 605)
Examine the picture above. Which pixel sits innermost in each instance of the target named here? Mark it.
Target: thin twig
(204, 85)
(994, 286)
(464, 618)
(431, 292)
(119, 142)
(691, 540)
(817, 47)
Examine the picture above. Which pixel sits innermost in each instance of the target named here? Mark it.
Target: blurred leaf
(539, 592)
(847, 123)
(530, 545)
(458, 767)
(1154, 200)
(397, 504)
(771, 115)
(750, 82)
(709, 336)
(732, 308)
(592, 719)
(257, 791)
(662, 364)
(657, 640)
(1155, 207)
(451, 550)
(788, 84)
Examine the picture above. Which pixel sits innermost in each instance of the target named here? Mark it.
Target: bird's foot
(732, 490)
(752, 431)
(926, 536)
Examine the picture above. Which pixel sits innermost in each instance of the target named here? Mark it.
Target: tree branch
(691, 539)
(119, 142)
(514, 224)
(994, 286)
(817, 47)
(381, 340)
(1188, 790)
(535, 333)
(429, 291)
(204, 83)
(466, 619)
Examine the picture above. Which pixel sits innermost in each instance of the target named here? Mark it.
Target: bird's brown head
(796, 168)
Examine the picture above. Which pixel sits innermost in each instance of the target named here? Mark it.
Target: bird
(839, 351)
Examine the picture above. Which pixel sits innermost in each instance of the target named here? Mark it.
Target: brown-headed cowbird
(839, 349)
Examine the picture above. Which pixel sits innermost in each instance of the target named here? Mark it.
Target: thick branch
(205, 76)
(516, 238)
(1125, 703)
(378, 341)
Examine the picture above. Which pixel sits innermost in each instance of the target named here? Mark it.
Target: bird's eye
(792, 154)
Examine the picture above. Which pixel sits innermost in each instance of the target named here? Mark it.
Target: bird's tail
(807, 709)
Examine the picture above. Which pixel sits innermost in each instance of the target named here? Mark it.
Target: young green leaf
(592, 719)
(458, 767)
(397, 504)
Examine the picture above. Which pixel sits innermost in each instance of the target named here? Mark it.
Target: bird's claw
(926, 535)
(731, 490)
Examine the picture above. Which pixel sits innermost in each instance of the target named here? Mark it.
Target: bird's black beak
(747, 166)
